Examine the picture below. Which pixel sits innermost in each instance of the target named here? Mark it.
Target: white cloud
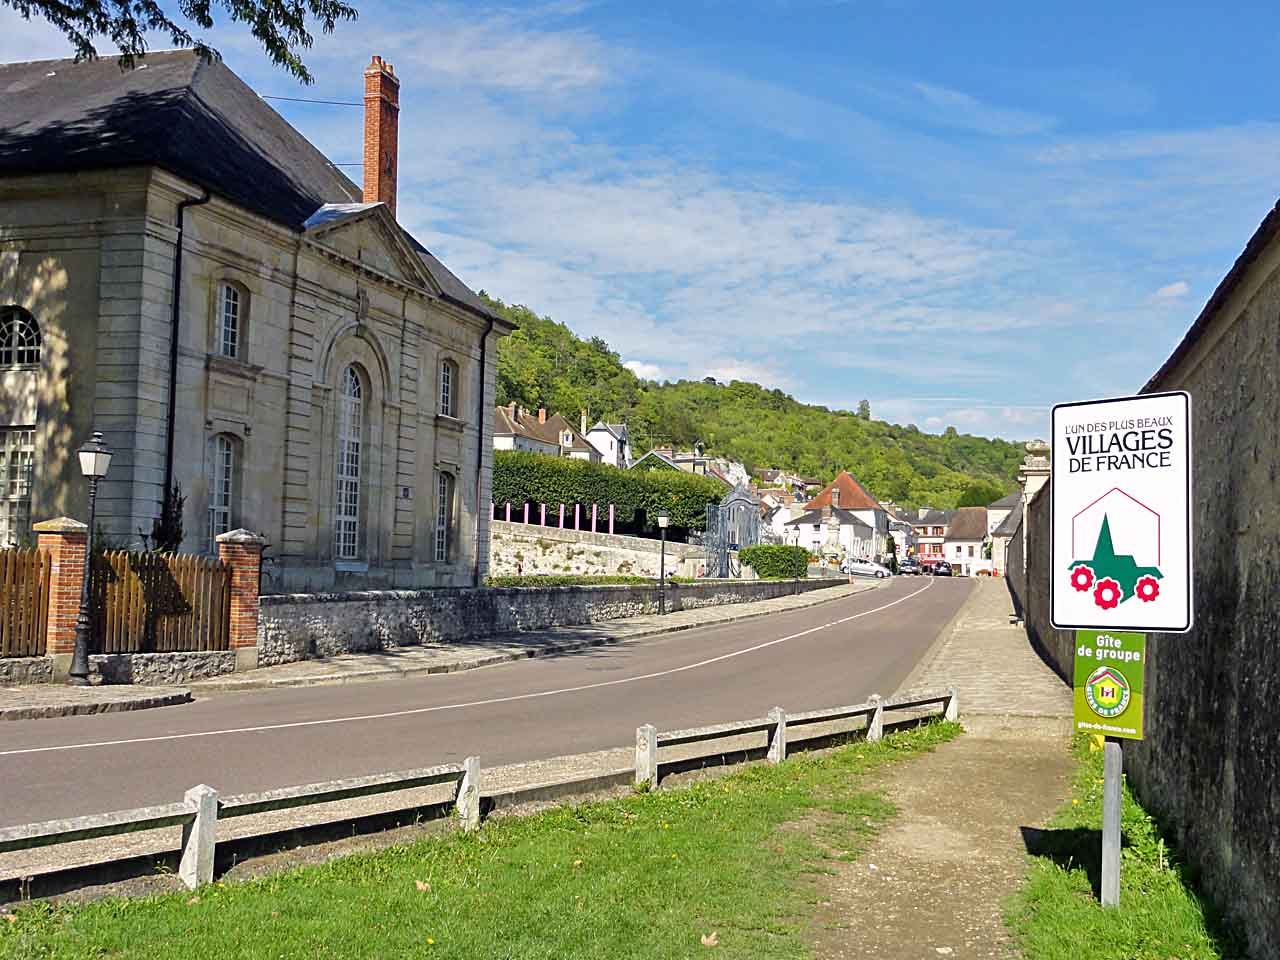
(954, 108)
(1173, 291)
(764, 374)
(646, 371)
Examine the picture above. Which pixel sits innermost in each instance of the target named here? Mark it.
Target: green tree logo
(1114, 578)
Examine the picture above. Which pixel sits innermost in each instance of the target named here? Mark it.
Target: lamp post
(663, 520)
(95, 461)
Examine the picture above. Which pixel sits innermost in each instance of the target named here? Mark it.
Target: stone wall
(519, 548)
(160, 669)
(302, 626)
(1209, 768)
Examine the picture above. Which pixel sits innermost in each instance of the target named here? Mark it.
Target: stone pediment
(367, 234)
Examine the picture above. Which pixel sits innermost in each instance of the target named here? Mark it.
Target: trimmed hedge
(519, 476)
(776, 561)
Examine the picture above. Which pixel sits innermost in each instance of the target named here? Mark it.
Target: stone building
(184, 271)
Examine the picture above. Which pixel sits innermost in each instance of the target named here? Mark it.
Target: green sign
(1108, 682)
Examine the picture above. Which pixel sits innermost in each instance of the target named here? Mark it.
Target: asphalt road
(830, 654)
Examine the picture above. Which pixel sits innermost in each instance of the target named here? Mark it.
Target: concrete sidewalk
(40, 700)
(503, 648)
(934, 881)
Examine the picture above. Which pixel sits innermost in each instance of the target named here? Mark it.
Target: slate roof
(846, 519)
(969, 523)
(1007, 502)
(933, 518)
(853, 495)
(1009, 525)
(194, 119)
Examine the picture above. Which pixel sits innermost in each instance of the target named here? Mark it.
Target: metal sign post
(1120, 504)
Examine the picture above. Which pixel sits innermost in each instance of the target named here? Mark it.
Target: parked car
(865, 568)
(942, 569)
(910, 566)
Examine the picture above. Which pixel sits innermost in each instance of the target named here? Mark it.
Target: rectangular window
(444, 516)
(347, 514)
(222, 463)
(446, 388)
(17, 455)
(971, 551)
(229, 339)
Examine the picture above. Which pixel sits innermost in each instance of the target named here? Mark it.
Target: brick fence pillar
(241, 550)
(65, 540)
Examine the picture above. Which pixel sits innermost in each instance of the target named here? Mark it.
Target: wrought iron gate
(732, 524)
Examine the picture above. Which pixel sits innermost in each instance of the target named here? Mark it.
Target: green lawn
(646, 876)
(1160, 917)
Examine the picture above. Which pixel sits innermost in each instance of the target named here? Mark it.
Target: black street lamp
(95, 461)
(663, 520)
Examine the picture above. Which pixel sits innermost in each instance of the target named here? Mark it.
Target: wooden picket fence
(159, 603)
(24, 602)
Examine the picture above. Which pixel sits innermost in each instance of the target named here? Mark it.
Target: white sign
(1120, 500)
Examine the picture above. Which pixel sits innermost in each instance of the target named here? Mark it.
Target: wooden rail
(24, 602)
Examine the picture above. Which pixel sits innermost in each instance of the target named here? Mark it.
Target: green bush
(775, 561)
(519, 476)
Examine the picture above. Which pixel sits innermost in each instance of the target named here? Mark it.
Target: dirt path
(933, 882)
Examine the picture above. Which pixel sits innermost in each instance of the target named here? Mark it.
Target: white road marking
(473, 703)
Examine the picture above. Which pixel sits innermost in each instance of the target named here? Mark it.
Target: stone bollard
(647, 755)
(778, 735)
(199, 837)
(65, 540)
(241, 550)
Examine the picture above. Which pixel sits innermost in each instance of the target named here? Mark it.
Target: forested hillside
(543, 364)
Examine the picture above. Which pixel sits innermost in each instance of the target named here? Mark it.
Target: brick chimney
(583, 421)
(542, 414)
(381, 129)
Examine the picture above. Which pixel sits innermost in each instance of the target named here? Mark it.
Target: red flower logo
(1147, 589)
(1082, 578)
(1107, 594)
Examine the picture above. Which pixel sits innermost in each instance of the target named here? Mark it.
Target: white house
(846, 494)
(613, 440)
(515, 428)
(966, 536)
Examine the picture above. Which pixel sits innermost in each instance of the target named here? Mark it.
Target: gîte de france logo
(1107, 692)
(1117, 578)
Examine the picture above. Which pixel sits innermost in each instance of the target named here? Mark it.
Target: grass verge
(1056, 915)
(649, 875)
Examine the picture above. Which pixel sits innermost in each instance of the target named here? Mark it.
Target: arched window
(444, 516)
(231, 317)
(19, 338)
(448, 388)
(350, 437)
(223, 485)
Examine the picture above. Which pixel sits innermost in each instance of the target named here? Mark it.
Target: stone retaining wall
(529, 549)
(303, 626)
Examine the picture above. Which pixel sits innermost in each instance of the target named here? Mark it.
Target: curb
(457, 666)
(101, 706)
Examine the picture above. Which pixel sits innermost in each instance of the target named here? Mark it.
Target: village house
(849, 504)
(966, 536)
(515, 428)
(931, 533)
(613, 440)
(182, 270)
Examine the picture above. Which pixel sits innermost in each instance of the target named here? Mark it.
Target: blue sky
(963, 213)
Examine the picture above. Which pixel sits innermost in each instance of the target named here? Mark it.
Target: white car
(865, 568)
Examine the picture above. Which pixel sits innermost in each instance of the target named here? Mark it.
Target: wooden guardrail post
(778, 735)
(468, 800)
(647, 755)
(199, 837)
(875, 724)
(952, 710)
